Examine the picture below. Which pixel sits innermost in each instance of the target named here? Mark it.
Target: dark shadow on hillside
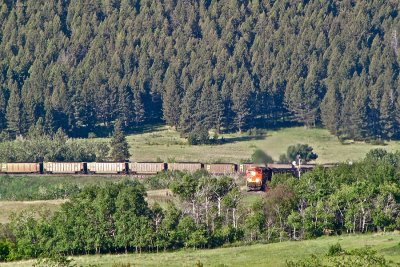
(274, 125)
(107, 130)
(148, 128)
(242, 139)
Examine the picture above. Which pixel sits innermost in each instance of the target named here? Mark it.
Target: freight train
(128, 168)
(257, 176)
(149, 168)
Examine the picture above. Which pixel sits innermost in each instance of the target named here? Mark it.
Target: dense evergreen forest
(224, 65)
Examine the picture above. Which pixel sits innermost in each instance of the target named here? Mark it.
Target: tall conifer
(119, 145)
(14, 111)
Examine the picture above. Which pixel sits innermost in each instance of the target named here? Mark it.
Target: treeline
(227, 65)
(211, 212)
(39, 148)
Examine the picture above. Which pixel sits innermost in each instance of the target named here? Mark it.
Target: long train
(142, 168)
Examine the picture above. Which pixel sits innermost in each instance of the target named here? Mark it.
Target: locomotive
(256, 178)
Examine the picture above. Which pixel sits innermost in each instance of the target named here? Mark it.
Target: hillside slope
(165, 144)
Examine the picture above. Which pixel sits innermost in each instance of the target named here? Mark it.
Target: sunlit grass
(165, 144)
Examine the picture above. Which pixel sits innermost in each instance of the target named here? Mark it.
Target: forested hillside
(226, 65)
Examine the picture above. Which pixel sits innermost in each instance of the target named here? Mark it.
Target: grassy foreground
(164, 143)
(256, 255)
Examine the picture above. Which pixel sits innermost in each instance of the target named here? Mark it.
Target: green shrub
(54, 261)
(335, 250)
(5, 248)
(305, 151)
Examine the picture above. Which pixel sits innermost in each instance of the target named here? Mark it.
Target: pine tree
(187, 120)
(119, 145)
(171, 100)
(330, 109)
(138, 107)
(49, 120)
(125, 112)
(3, 109)
(217, 109)
(14, 111)
(360, 128)
(204, 112)
(242, 98)
(387, 115)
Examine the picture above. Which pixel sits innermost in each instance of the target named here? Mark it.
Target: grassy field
(164, 143)
(255, 255)
(8, 207)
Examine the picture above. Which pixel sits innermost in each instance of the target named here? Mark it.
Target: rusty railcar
(221, 168)
(23, 167)
(185, 166)
(146, 167)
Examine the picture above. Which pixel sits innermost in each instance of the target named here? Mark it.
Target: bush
(335, 250)
(54, 261)
(304, 150)
(199, 137)
(5, 248)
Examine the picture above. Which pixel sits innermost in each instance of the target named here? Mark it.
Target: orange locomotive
(256, 178)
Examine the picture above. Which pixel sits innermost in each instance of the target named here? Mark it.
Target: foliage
(162, 180)
(335, 250)
(54, 261)
(199, 137)
(53, 148)
(358, 258)
(305, 151)
(5, 250)
(119, 145)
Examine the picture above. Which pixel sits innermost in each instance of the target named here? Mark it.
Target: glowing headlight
(258, 180)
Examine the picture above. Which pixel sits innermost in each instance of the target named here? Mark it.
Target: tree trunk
(219, 206)
(207, 213)
(234, 217)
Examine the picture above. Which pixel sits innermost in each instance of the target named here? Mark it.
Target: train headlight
(258, 180)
